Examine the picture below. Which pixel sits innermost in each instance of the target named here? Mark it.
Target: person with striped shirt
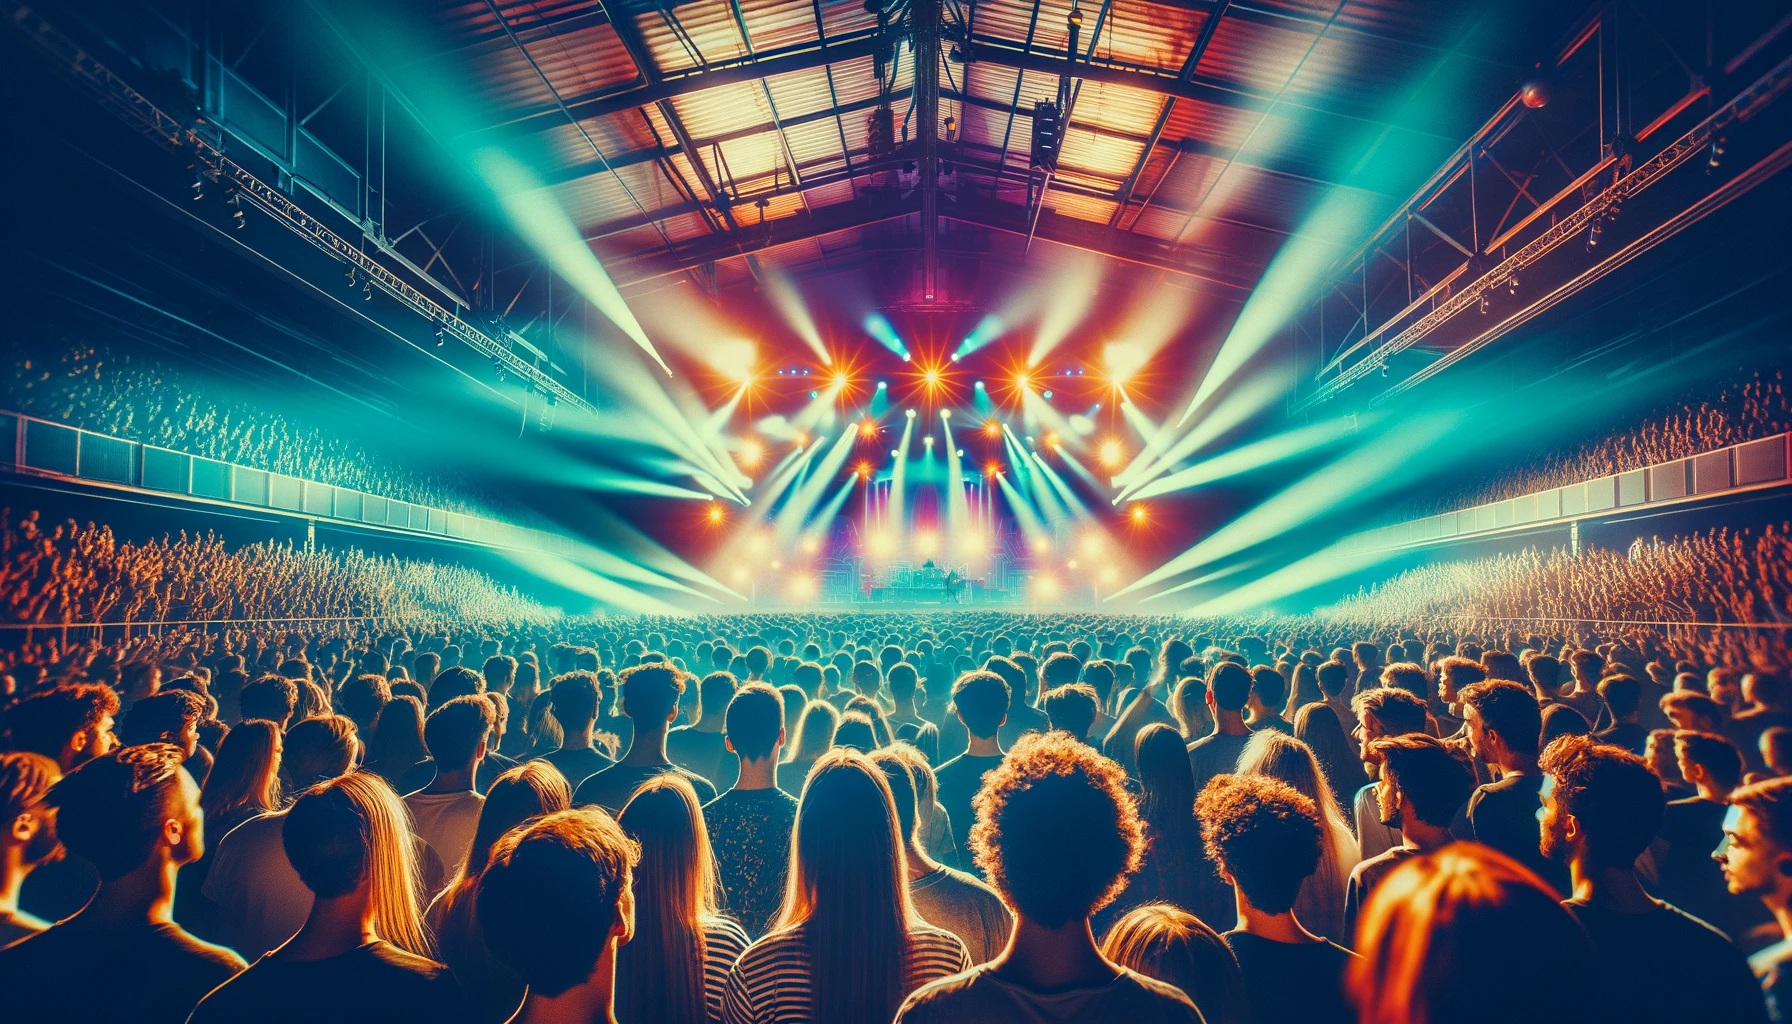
(675, 969)
(848, 946)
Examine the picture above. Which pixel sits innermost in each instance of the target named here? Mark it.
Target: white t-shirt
(261, 901)
(447, 821)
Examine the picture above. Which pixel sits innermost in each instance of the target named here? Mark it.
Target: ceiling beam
(859, 213)
(1096, 238)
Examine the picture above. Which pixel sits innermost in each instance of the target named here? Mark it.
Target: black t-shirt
(60, 888)
(1709, 978)
(1293, 982)
(146, 974)
(1688, 878)
(959, 781)
(612, 787)
(577, 765)
(750, 831)
(377, 982)
(1503, 815)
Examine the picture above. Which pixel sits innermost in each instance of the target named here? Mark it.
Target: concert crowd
(965, 816)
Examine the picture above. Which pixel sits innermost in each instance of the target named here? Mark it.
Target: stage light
(979, 385)
(910, 413)
(1140, 514)
(1047, 395)
(751, 454)
(814, 395)
(715, 513)
(945, 414)
(961, 453)
(864, 470)
(993, 469)
(882, 385)
(1051, 441)
(868, 429)
(992, 429)
(894, 454)
(932, 377)
(802, 439)
(928, 440)
(1022, 381)
(1112, 453)
(841, 380)
(1040, 544)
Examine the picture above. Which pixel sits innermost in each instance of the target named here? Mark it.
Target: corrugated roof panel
(723, 109)
(801, 92)
(779, 24)
(815, 141)
(686, 226)
(1256, 55)
(601, 198)
(1008, 20)
(614, 134)
(854, 80)
(1104, 155)
(709, 26)
(1117, 108)
(846, 18)
(828, 195)
(1150, 34)
(623, 244)
(1222, 126)
(1080, 207)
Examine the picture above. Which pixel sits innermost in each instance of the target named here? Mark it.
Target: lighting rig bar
(1488, 271)
(210, 161)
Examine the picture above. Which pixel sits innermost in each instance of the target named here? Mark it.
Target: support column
(926, 25)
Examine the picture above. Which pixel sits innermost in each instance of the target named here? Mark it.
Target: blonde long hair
(1278, 756)
(849, 891)
(354, 827)
(659, 974)
(246, 773)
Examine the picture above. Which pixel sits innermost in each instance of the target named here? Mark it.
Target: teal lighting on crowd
(878, 326)
(987, 330)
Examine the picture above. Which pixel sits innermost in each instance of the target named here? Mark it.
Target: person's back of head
(856, 731)
(1504, 665)
(1332, 678)
(169, 716)
(903, 791)
(1229, 684)
(456, 732)
(1432, 776)
(63, 722)
(118, 809)
(758, 658)
(1264, 835)
(650, 693)
(1451, 937)
(450, 683)
(815, 730)
(902, 680)
(271, 697)
(1693, 710)
(1165, 942)
(1407, 676)
(1396, 711)
(352, 832)
(1166, 779)
(754, 722)
(499, 671)
(1545, 673)
(246, 772)
(714, 691)
(982, 702)
(318, 749)
(362, 698)
(574, 697)
(1059, 670)
(848, 891)
(1715, 755)
(659, 973)
(1072, 708)
(1048, 787)
(1270, 688)
(1616, 802)
(556, 896)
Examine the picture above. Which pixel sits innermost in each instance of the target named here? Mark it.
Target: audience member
(755, 817)
(29, 838)
(982, 701)
(1504, 725)
(1052, 969)
(574, 698)
(1174, 946)
(650, 695)
(1422, 784)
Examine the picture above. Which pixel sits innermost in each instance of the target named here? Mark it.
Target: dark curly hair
(1262, 832)
(1056, 831)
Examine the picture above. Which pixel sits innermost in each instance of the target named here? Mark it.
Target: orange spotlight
(1023, 381)
(992, 429)
(751, 453)
(1051, 441)
(1112, 453)
(993, 469)
(715, 514)
(868, 428)
(802, 440)
(841, 380)
(1140, 514)
(864, 470)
